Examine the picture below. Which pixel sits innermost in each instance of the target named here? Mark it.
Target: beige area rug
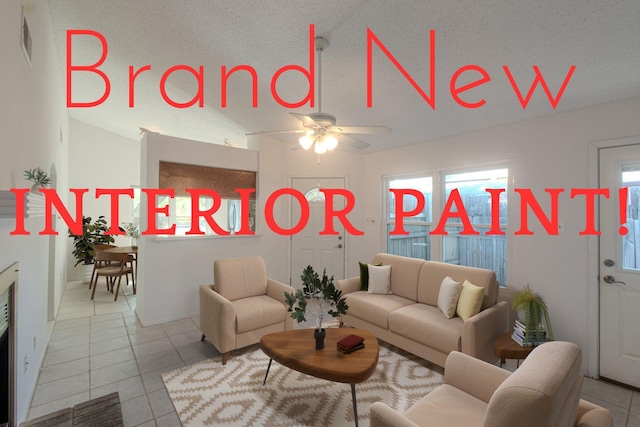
(209, 394)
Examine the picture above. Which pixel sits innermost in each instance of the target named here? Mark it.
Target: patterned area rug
(209, 394)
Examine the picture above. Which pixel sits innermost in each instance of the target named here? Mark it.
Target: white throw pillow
(448, 296)
(379, 279)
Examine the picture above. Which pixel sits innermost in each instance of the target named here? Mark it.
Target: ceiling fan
(319, 128)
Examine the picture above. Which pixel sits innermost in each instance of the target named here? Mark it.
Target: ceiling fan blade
(353, 142)
(362, 129)
(306, 120)
(272, 132)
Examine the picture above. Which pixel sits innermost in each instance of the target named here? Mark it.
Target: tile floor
(98, 347)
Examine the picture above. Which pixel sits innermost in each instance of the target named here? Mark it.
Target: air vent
(27, 42)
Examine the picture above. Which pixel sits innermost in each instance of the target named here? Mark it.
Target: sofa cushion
(236, 278)
(379, 279)
(364, 275)
(470, 300)
(448, 296)
(447, 406)
(426, 324)
(256, 312)
(374, 308)
(545, 390)
(404, 274)
(432, 273)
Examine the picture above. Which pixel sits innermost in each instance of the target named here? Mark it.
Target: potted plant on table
(326, 298)
(132, 231)
(83, 244)
(532, 311)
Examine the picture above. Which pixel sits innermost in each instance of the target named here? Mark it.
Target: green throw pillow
(364, 275)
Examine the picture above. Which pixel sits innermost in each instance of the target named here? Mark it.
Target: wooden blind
(225, 181)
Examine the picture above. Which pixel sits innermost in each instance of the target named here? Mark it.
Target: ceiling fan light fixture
(320, 147)
(330, 142)
(306, 141)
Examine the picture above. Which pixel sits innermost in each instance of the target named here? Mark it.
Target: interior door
(620, 266)
(308, 247)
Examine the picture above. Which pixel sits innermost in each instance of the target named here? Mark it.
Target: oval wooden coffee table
(296, 350)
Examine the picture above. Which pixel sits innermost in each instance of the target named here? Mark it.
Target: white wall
(100, 159)
(34, 127)
(171, 270)
(548, 152)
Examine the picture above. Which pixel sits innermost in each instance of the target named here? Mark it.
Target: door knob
(339, 246)
(611, 280)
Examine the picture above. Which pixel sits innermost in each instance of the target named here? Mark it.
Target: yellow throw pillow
(470, 300)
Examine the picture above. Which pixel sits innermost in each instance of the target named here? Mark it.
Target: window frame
(438, 202)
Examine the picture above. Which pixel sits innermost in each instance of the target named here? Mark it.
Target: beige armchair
(242, 305)
(544, 391)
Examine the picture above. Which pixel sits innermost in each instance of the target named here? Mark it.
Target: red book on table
(350, 342)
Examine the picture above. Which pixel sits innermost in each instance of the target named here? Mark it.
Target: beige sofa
(409, 317)
(544, 391)
(242, 305)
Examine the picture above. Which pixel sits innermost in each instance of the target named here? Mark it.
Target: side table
(506, 348)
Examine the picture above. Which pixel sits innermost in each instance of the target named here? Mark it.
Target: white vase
(87, 270)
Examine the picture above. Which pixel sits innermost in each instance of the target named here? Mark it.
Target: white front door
(308, 247)
(620, 266)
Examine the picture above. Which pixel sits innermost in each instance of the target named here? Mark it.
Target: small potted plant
(83, 244)
(132, 231)
(532, 310)
(327, 299)
(39, 178)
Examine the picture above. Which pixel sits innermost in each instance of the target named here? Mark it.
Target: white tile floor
(98, 347)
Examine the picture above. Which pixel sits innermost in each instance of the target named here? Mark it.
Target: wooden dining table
(128, 250)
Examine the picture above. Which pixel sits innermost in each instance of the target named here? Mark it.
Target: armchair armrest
(217, 319)
(349, 285)
(475, 377)
(591, 415)
(480, 331)
(277, 289)
(383, 416)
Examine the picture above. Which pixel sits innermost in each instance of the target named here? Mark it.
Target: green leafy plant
(92, 234)
(38, 177)
(329, 300)
(131, 230)
(533, 308)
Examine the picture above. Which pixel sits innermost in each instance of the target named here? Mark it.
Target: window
(181, 177)
(227, 217)
(417, 243)
(485, 251)
(630, 245)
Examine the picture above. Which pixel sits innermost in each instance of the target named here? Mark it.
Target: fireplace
(8, 280)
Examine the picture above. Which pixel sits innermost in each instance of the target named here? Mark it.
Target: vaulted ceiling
(601, 38)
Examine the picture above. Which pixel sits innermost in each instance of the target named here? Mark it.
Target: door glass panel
(631, 241)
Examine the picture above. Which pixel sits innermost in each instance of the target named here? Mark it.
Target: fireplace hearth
(8, 281)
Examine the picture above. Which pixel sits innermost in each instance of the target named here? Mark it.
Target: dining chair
(113, 266)
(95, 262)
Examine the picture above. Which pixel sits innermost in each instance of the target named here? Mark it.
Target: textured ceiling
(601, 38)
